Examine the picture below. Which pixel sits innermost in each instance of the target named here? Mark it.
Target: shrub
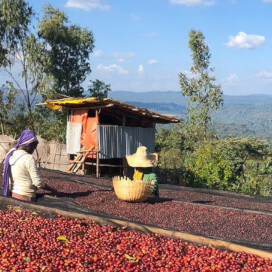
(171, 166)
(229, 164)
(210, 168)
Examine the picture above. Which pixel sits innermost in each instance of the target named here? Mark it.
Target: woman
(21, 179)
(143, 162)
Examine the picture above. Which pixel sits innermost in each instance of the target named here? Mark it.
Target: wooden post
(124, 120)
(124, 160)
(97, 153)
(97, 165)
(38, 158)
(83, 168)
(2, 127)
(154, 126)
(55, 155)
(125, 169)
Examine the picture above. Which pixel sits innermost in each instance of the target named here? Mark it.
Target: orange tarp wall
(89, 128)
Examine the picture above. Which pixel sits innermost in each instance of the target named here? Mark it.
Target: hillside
(249, 115)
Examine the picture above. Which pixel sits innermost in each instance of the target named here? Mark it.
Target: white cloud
(98, 53)
(151, 34)
(120, 60)
(231, 79)
(122, 57)
(265, 74)
(152, 61)
(245, 41)
(267, 1)
(112, 68)
(87, 5)
(134, 17)
(140, 69)
(193, 2)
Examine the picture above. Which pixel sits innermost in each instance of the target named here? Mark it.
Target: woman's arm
(37, 182)
(49, 188)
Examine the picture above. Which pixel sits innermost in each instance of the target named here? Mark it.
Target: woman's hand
(51, 189)
(54, 192)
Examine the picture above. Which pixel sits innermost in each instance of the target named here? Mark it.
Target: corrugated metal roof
(91, 102)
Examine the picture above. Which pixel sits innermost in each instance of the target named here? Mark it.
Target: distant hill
(249, 115)
(150, 97)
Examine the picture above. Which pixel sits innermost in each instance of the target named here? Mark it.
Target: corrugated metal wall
(118, 141)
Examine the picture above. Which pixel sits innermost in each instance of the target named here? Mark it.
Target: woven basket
(132, 190)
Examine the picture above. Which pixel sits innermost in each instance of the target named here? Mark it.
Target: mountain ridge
(241, 115)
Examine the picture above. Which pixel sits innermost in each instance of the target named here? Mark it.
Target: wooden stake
(97, 153)
(97, 165)
(124, 160)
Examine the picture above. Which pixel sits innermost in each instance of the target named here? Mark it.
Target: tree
(99, 89)
(31, 80)
(15, 17)
(51, 125)
(204, 96)
(68, 48)
(7, 103)
(52, 62)
(25, 51)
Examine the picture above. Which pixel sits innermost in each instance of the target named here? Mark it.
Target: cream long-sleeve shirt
(24, 174)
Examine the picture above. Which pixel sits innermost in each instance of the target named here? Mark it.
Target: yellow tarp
(58, 104)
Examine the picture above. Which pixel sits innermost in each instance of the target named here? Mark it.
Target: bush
(237, 164)
(233, 164)
(210, 168)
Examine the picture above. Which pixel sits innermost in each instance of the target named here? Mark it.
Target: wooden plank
(76, 166)
(90, 150)
(125, 167)
(84, 155)
(79, 160)
(72, 164)
(102, 165)
(92, 108)
(97, 154)
(69, 169)
(55, 153)
(55, 163)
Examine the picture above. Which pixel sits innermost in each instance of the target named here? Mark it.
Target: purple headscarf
(27, 138)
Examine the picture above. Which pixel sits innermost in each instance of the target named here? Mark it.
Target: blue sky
(142, 45)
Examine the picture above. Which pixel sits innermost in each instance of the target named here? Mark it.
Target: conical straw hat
(142, 158)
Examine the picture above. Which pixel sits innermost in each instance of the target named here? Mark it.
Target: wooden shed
(100, 133)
